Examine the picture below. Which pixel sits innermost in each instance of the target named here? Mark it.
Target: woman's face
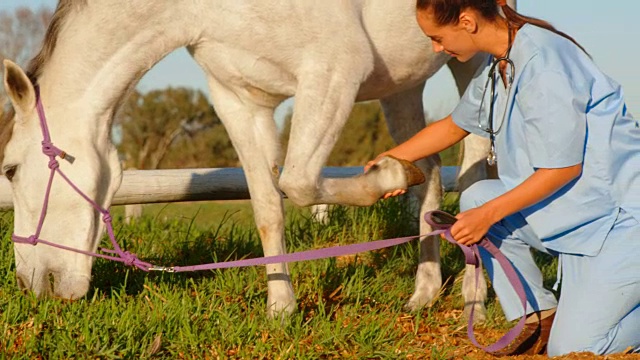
(454, 40)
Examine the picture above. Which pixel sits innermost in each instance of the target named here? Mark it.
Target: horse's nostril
(52, 283)
(35, 281)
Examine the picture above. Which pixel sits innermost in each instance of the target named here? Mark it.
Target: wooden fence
(162, 186)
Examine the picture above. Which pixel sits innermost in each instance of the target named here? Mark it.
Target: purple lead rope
(471, 253)
(472, 257)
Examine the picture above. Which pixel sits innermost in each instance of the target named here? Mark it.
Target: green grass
(350, 307)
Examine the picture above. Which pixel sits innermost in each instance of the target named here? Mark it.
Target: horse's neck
(98, 58)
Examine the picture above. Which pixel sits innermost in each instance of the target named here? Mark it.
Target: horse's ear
(19, 88)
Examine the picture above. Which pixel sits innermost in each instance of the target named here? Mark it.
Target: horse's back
(270, 45)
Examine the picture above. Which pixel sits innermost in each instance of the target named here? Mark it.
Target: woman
(568, 156)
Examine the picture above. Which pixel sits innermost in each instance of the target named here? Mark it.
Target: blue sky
(607, 29)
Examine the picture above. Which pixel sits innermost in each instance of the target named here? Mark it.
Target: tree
(172, 128)
(21, 34)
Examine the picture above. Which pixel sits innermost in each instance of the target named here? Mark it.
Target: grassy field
(349, 307)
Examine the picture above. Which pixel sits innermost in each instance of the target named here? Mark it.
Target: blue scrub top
(561, 111)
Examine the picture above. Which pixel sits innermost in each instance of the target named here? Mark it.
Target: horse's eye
(10, 171)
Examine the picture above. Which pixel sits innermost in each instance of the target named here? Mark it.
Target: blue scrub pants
(599, 306)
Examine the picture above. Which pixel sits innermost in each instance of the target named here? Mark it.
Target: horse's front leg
(323, 103)
(405, 117)
(253, 133)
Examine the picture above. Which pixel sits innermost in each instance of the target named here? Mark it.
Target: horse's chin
(68, 286)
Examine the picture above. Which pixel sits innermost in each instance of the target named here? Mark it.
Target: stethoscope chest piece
(490, 128)
(502, 69)
(492, 157)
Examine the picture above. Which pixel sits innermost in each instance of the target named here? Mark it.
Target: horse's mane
(36, 65)
(34, 70)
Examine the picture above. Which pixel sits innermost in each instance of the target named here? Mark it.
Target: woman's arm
(473, 224)
(434, 138)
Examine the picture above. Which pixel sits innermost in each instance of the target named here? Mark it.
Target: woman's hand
(394, 193)
(370, 164)
(472, 226)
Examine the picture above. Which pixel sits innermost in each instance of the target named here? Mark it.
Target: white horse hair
(255, 54)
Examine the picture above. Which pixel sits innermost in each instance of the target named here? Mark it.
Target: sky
(607, 29)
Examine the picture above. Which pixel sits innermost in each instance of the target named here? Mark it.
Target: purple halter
(472, 253)
(52, 152)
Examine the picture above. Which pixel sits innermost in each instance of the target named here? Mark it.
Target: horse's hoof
(412, 307)
(419, 300)
(281, 309)
(413, 173)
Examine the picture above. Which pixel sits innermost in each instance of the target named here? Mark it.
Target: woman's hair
(447, 12)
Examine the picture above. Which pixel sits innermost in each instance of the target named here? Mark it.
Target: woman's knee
(569, 344)
(479, 193)
(562, 345)
(581, 336)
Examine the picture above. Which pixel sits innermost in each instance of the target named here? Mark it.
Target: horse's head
(70, 220)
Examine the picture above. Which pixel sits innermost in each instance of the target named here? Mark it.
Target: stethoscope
(494, 74)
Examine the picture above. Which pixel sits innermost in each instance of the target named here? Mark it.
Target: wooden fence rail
(162, 186)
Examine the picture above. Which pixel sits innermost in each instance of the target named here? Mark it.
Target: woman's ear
(468, 22)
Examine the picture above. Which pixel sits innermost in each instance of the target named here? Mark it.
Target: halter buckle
(169, 269)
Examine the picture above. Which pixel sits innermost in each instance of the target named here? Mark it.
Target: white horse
(255, 54)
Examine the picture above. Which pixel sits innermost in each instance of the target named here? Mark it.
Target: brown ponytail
(447, 12)
(518, 20)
